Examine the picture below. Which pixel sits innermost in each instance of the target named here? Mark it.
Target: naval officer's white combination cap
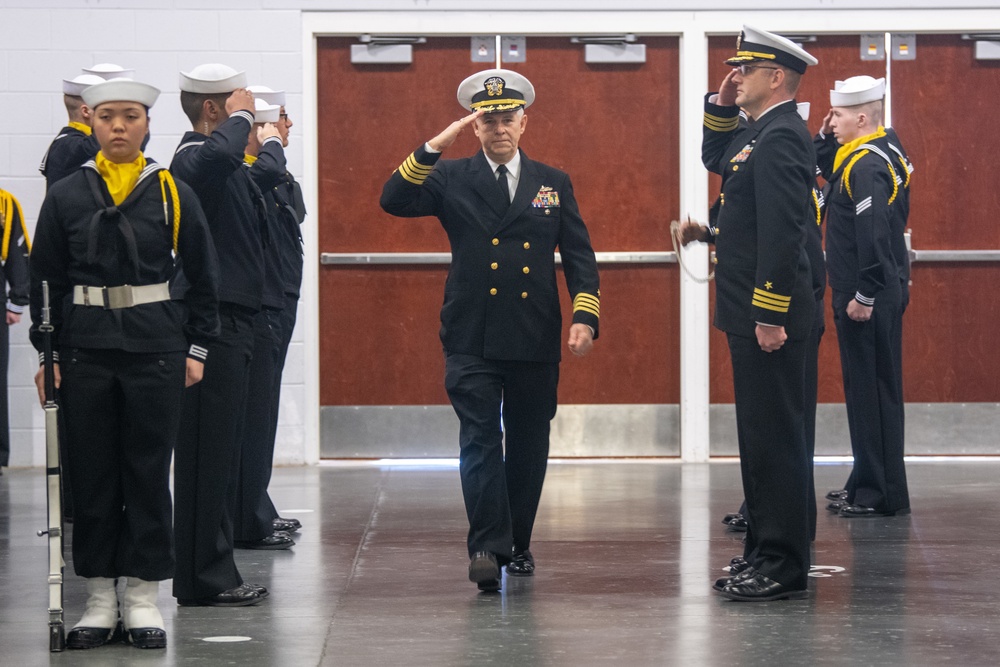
(756, 45)
(496, 90)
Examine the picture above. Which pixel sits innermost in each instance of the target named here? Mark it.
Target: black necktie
(502, 181)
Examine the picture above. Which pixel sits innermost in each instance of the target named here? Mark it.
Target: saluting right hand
(827, 128)
(727, 90)
(266, 131)
(240, 99)
(451, 133)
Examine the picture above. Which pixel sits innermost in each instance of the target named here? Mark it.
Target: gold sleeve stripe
(587, 309)
(773, 299)
(761, 301)
(819, 209)
(413, 171)
(768, 306)
(588, 304)
(719, 124)
(776, 298)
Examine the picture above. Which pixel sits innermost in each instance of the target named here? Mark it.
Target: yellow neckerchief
(249, 159)
(120, 177)
(8, 207)
(849, 148)
(86, 129)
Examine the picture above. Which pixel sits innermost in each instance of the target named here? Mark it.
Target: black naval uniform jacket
(767, 167)
(861, 221)
(266, 172)
(501, 300)
(82, 241)
(291, 207)
(213, 166)
(67, 153)
(826, 151)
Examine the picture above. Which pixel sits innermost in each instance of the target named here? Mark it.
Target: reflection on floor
(626, 554)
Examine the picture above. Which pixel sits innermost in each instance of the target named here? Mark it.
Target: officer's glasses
(747, 70)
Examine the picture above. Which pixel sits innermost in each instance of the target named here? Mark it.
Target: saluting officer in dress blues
(764, 299)
(817, 265)
(106, 242)
(867, 179)
(501, 327)
(210, 158)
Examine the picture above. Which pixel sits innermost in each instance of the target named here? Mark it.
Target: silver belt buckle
(118, 297)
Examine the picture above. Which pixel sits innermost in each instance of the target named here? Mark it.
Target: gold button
(494, 266)
(526, 270)
(524, 295)
(493, 291)
(496, 241)
(548, 211)
(527, 246)
(736, 167)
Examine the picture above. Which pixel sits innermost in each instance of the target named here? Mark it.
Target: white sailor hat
(77, 84)
(212, 78)
(268, 95)
(756, 45)
(857, 90)
(264, 112)
(110, 71)
(496, 90)
(803, 109)
(120, 90)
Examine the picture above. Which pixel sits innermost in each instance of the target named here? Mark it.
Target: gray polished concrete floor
(626, 554)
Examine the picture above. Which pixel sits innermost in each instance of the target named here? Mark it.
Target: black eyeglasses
(283, 116)
(746, 70)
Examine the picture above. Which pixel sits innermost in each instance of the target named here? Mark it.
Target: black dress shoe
(522, 565)
(860, 511)
(94, 637)
(836, 505)
(758, 588)
(837, 494)
(241, 596)
(274, 541)
(485, 571)
(729, 517)
(738, 524)
(286, 525)
(147, 637)
(256, 588)
(734, 575)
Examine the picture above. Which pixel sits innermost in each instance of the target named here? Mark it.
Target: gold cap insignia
(494, 86)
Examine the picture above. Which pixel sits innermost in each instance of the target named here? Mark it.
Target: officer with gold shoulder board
(764, 299)
(505, 215)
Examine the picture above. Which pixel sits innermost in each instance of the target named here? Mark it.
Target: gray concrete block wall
(48, 40)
